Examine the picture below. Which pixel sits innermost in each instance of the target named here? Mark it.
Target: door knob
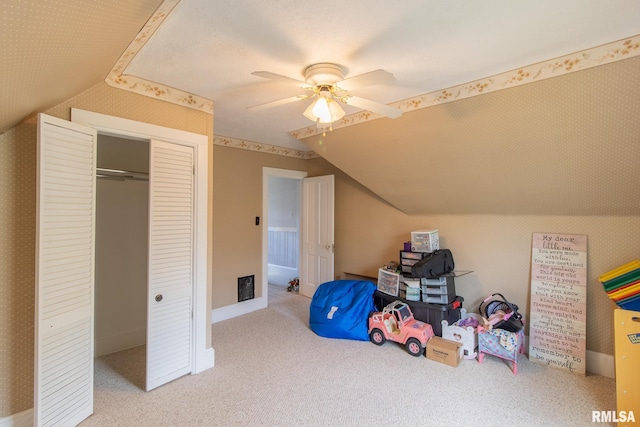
(158, 297)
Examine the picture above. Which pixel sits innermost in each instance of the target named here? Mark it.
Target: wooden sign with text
(557, 325)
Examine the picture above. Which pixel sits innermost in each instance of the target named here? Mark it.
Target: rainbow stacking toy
(623, 285)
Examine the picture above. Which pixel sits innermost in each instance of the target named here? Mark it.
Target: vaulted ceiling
(561, 139)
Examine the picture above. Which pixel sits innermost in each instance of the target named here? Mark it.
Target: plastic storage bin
(425, 241)
(433, 314)
(438, 291)
(408, 258)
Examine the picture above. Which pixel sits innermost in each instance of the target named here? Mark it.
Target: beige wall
(17, 224)
(369, 233)
(237, 200)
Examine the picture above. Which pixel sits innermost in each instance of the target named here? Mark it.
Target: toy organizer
(463, 332)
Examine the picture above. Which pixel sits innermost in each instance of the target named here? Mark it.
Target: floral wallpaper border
(263, 148)
(600, 55)
(611, 52)
(116, 78)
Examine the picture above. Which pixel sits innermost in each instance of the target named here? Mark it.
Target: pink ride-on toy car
(396, 323)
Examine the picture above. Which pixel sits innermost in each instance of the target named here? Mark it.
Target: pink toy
(396, 323)
(489, 342)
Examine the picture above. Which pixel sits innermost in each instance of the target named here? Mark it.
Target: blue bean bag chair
(340, 309)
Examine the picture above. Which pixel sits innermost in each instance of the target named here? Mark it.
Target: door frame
(266, 173)
(203, 357)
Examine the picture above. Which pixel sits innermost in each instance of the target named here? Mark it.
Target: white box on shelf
(425, 241)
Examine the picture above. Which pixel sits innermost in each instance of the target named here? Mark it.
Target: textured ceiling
(562, 139)
(211, 48)
(55, 49)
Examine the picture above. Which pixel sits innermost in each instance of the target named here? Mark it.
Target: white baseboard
(597, 363)
(123, 341)
(601, 364)
(235, 310)
(21, 419)
(204, 361)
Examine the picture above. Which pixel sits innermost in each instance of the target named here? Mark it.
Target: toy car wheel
(413, 347)
(377, 337)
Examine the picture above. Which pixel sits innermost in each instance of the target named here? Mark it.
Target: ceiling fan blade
(376, 77)
(278, 77)
(374, 107)
(278, 102)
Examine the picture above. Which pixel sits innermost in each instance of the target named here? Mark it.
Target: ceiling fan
(327, 83)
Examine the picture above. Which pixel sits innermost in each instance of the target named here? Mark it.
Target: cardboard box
(444, 351)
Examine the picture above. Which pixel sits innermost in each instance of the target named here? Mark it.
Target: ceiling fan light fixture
(324, 110)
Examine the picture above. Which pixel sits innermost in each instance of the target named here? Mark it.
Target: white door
(65, 246)
(316, 261)
(171, 262)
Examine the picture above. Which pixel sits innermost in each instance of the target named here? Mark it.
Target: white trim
(238, 309)
(601, 364)
(203, 357)
(21, 419)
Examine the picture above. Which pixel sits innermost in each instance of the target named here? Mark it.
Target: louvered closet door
(64, 272)
(171, 264)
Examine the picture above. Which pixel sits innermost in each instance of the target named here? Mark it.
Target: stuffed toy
(294, 285)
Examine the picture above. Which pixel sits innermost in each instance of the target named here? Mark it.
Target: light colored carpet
(272, 370)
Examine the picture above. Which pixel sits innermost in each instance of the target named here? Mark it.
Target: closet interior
(122, 199)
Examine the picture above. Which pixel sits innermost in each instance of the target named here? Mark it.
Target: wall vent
(246, 288)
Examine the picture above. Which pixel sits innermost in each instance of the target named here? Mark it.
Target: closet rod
(121, 175)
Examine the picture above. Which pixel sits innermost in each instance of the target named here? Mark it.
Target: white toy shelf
(466, 335)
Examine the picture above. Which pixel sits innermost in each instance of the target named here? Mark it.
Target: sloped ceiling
(563, 144)
(54, 50)
(569, 145)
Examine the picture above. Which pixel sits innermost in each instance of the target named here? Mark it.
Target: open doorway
(281, 230)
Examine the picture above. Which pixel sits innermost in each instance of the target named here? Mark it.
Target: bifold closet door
(65, 247)
(171, 262)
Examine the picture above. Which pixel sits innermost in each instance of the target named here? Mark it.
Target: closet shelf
(121, 175)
